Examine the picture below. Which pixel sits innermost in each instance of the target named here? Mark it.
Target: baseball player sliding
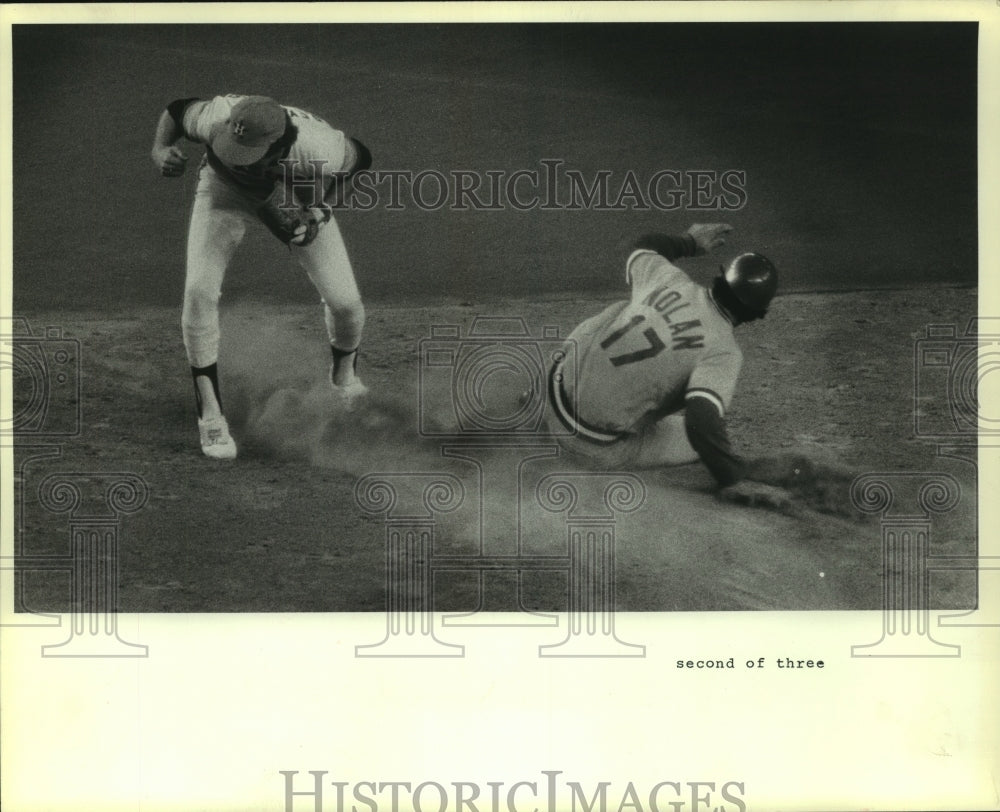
(280, 166)
(654, 375)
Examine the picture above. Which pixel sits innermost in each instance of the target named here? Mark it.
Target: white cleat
(216, 441)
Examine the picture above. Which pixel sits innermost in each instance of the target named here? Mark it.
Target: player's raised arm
(169, 159)
(697, 240)
(669, 246)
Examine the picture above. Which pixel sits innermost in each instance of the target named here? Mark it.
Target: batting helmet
(753, 280)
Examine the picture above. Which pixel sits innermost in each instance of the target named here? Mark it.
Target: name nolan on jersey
(666, 302)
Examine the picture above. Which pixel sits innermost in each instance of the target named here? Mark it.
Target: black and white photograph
(609, 385)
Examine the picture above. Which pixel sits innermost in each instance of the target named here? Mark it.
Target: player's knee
(350, 312)
(200, 298)
(200, 307)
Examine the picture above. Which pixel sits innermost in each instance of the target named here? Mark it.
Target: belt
(567, 414)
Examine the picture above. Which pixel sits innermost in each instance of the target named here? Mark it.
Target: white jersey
(318, 148)
(640, 359)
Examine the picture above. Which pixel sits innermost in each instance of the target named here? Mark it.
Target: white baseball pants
(218, 222)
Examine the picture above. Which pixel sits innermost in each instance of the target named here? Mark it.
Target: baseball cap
(254, 124)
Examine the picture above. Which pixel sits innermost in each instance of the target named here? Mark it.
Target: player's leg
(215, 230)
(665, 443)
(328, 265)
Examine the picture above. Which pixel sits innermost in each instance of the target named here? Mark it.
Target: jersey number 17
(656, 345)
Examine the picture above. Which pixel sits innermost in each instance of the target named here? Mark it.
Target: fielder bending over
(271, 164)
(654, 375)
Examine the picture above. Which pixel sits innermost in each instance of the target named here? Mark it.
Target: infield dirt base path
(280, 528)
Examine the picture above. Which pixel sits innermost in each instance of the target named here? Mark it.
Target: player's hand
(305, 233)
(709, 236)
(756, 494)
(171, 161)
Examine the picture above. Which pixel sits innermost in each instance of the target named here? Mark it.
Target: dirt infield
(281, 529)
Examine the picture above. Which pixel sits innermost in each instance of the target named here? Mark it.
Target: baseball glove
(289, 220)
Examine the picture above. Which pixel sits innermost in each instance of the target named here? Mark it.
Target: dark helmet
(751, 280)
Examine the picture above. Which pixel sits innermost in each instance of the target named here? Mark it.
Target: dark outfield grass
(858, 143)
